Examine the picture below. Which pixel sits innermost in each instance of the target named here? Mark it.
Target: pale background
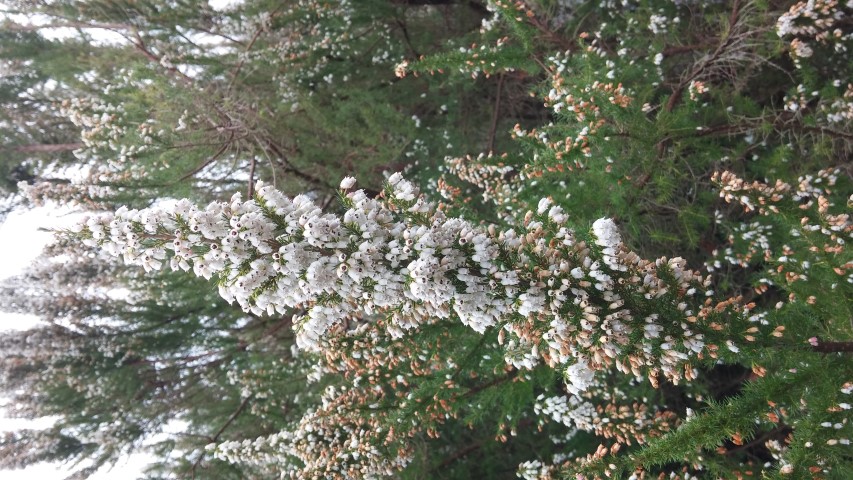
(20, 243)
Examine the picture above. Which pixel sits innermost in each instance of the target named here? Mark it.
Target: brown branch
(17, 27)
(219, 432)
(829, 132)
(209, 160)
(675, 98)
(727, 130)
(243, 60)
(495, 114)
(832, 347)
(140, 45)
(251, 188)
(283, 322)
(459, 454)
(217, 34)
(497, 381)
(679, 49)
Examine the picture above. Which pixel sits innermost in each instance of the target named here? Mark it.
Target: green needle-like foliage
(718, 132)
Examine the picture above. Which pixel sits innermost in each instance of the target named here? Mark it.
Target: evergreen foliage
(502, 324)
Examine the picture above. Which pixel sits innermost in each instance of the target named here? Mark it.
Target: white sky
(20, 243)
(222, 5)
(20, 240)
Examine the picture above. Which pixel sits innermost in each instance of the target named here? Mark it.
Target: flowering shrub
(578, 307)
(559, 299)
(634, 263)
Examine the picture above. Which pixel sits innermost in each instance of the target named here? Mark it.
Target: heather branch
(598, 306)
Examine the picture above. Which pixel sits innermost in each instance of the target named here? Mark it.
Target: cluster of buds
(42, 193)
(735, 189)
(624, 421)
(821, 237)
(499, 183)
(587, 106)
(815, 22)
(328, 443)
(576, 306)
(696, 89)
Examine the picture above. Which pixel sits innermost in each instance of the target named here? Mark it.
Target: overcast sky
(21, 242)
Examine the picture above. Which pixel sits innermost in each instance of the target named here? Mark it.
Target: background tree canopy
(715, 137)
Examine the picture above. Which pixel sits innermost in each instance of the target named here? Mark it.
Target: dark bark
(477, 6)
(833, 347)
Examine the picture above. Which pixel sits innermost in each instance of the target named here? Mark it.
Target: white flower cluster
(350, 452)
(573, 411)
(534, 470)
(813, 23)
(99, 122)
(840, 111)
(820, 229)
(560, 300)
(606, 233)
(810, 17)
(658, 24)
(498, 183)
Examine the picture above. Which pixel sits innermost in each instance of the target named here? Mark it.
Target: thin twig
(140, 45)
(268, 143)
(219, 432)
(243, 60)
(251, 189)
(758, 440)
(833, 347)
(406, 37)
(209, 160)
(456, 456)
(675, 98)
(497, 381)
(679, 49)
(495, 113)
